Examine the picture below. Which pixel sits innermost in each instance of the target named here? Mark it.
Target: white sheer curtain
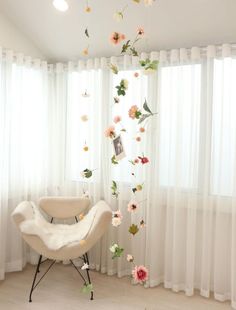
(188, 198)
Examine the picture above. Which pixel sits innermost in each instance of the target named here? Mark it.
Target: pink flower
(136, 74)
(138, 139)
(140, 273)
(110, 132)
(140, 31)
(116, 38)
(117, 119)
(132, 206)
(136, 161)
(132, 111)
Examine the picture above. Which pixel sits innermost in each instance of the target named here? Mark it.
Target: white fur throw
(56, 236)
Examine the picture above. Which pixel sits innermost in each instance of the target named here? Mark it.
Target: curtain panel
(188, 196)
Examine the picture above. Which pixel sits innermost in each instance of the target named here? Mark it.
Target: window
(223, 147)
(180, 101)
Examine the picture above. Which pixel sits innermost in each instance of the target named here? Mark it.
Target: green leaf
(143, 117)
(86, 32)
(146, 108)
(133, 51)
(133, 229)
(125, 47)
(119, 251)
(87, 288)
(114, 161)
(88, 173)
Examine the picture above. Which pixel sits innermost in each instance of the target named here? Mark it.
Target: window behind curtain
(180, 100)
(223, 150)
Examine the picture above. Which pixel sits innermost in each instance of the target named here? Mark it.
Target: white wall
(12, 38)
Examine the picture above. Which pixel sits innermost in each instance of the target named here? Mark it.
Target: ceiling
(168, 24)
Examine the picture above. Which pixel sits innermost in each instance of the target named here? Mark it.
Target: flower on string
(85, 94)
(116, 218)
(142, 224)
(86, 173)
(118, 16)
(117, 119)
(136, 161)
(136, 74)
(140, 31)
(116, 38)
(85, 51)
(122, 87)
(139, 187)
(88, 9)
(140, 273)
(134, 112)
(110, 132)
(143, 159)
(116, 250)
(142, 129)
(116, 99)
(138, 139)
(130, 258)
(85, 266)
(132, 206)
(85, 148)
(84, 118)
(114, 68)
(85, 194)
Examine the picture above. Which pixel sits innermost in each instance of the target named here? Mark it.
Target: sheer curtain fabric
(188, 199)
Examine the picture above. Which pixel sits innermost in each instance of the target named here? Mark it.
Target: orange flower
(116, 38)
(132, 111)
(110, 132)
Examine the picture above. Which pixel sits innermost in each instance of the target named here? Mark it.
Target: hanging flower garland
(141, 116)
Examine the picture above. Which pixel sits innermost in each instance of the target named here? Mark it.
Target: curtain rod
(51, 65)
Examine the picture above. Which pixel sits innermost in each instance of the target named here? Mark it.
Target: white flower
(148, 2)
(85, 194)
(82, 173)
(118, 16)
(130, 258)
(84, 118)
(85, 266)
(116, 221)
(126, 84)
(85, 94)
(113, 248)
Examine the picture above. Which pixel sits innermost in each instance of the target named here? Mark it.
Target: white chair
(63, 208)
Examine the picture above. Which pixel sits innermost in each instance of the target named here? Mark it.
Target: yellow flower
(84, 118)
(85, 52)
(86, 148)
(88, 9)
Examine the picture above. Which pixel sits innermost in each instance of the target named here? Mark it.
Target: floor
(61, 291)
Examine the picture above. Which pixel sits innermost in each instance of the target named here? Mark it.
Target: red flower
(144, 160)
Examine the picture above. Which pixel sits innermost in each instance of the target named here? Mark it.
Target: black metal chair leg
(35, 276)
(88, 275)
